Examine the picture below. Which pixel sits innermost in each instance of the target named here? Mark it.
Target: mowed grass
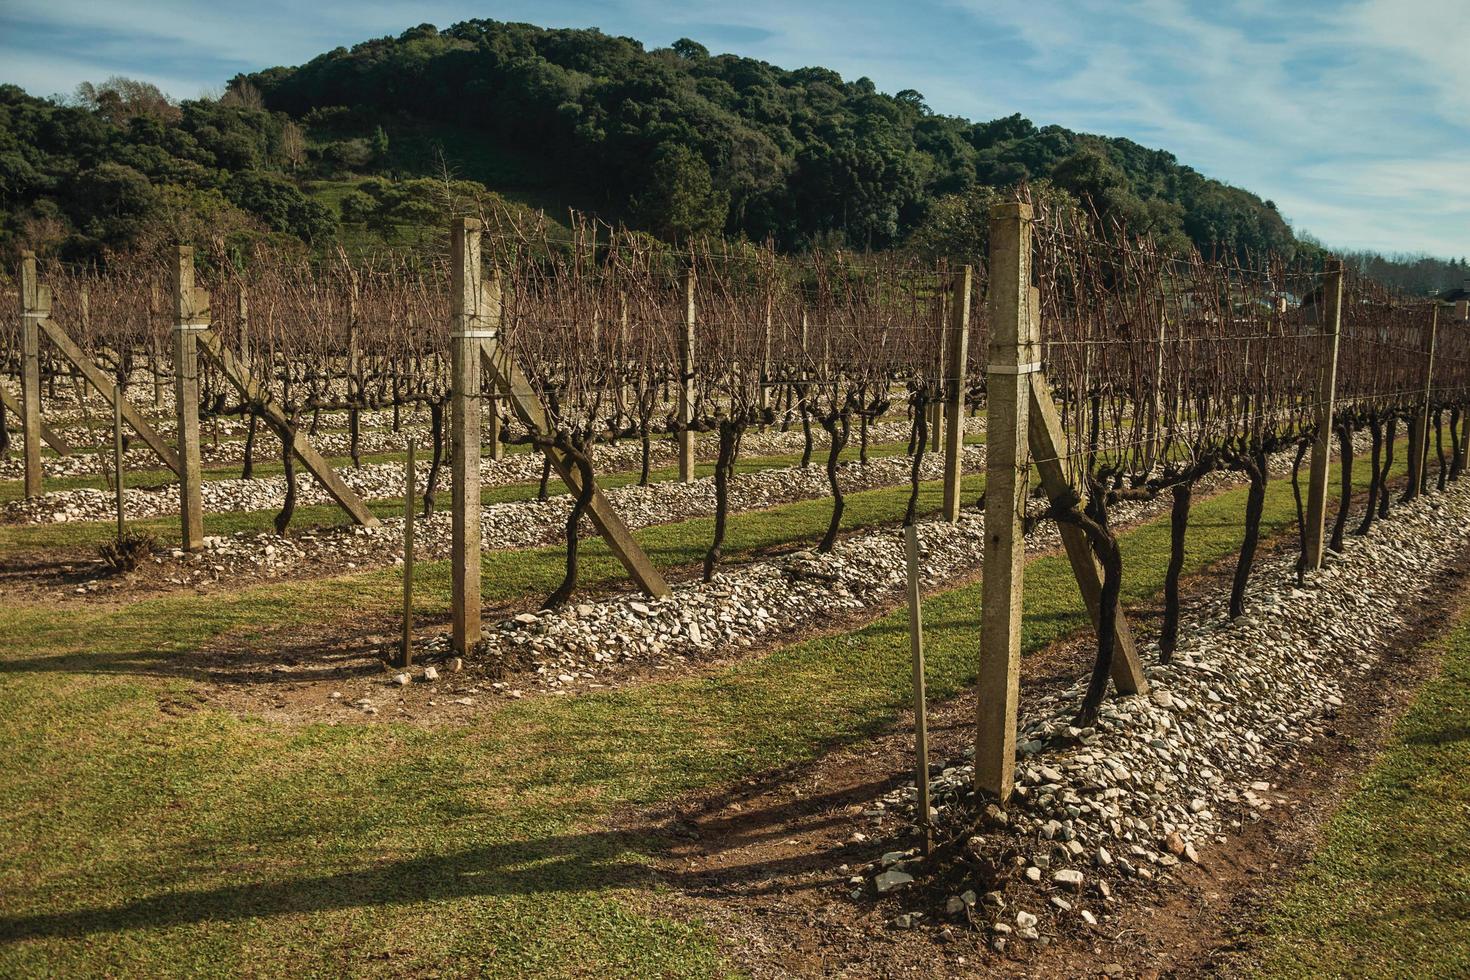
(40, 538)
(1388, 892)
(143, 842)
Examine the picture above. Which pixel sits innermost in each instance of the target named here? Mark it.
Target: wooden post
(1419, 426)
(117, 465)
(765, 377)
(1326, 397)
(497, 448)
(1013, 355)
(109, 392)
(936, 407)
(35, 305)
(242, 315)
(155, 311)
(1423, 469)
(921, 711)
(686, 384)
(406, 654)
(954, 419)
(1049, 449)
(471, 324)
(49, 436)
(254, 393)
(521, 397)
(191, 315)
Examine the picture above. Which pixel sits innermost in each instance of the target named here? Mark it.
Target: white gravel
(1163, 776)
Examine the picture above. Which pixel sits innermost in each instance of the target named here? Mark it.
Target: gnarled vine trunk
(580, 457)
(724, 464)
(919, 437)
(1375, 474)
(436, 461)
(288, 461)
(1345, 498)
(1178, 528)
(837, 431)
(1110, 557)
(1255, 502)
(1383, 492)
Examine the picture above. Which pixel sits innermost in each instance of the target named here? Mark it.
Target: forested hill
(679, 141)
(362, 147)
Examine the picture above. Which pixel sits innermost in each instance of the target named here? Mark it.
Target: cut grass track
(1388, 892)
(140, 842)
(40, 538)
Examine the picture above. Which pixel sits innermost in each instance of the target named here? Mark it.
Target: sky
(1354, 117)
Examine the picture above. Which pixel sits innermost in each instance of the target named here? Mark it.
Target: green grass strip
(1388, 892)
(140, 842)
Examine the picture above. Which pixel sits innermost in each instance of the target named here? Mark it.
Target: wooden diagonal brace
(517, 389)
(108, 391)
(1048, 449)
(255, 393)
(53, 438)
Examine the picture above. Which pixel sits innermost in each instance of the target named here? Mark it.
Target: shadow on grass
(588, 862)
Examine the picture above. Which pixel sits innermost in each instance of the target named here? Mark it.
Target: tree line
(675, 141)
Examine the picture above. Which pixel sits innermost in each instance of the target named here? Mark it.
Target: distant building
(1459, 299)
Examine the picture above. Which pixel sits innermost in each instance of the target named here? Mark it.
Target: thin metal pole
(921, 712)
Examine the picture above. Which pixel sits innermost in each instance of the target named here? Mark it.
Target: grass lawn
(144, 842)
(1388, 892)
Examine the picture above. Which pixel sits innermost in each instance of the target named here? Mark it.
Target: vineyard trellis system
(1110, 372)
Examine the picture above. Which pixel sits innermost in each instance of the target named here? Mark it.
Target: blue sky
(1351, 116)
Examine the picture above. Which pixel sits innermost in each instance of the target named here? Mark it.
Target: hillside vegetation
(366, 144)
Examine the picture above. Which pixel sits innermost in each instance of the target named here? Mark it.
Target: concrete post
(954, 418)
(472, 322)
(1326, 396)
(191, 315)
(686, 384)
(1013, 355)
(35, 305)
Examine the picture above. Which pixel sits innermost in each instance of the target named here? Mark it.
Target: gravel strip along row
(1162, 776)
(579, 646)
(523, 523)
(378, 481)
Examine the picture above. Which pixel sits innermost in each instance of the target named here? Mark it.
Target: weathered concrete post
(1419, 428)
(1326, 397)
(191, 315)
(686, 384)
(35, 305)
(954, 418)
(1013, 355)
(472, 323)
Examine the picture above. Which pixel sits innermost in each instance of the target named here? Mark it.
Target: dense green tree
(682, 201)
